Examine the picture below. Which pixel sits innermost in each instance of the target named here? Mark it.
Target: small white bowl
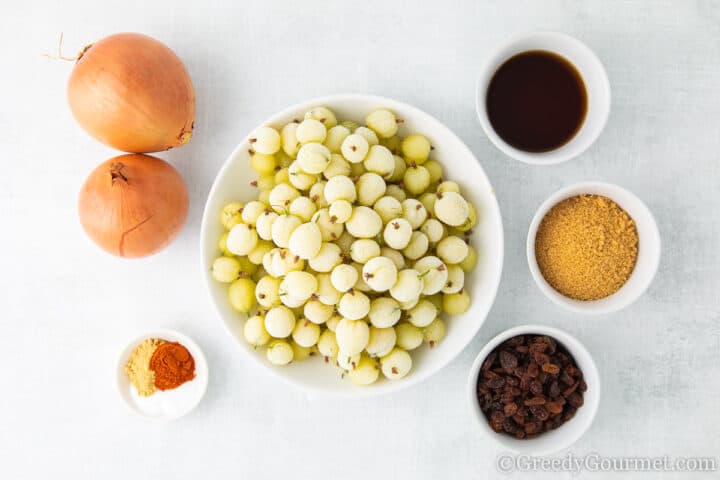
(168, 404)
(648, 257)
(459, 164)
(592, 72)
(569, 432)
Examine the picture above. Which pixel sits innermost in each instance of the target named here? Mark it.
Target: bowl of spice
(162, 375)
(534, 389)
(593, 247)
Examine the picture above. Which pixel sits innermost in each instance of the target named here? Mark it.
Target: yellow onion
(133, 205)
(133, 93)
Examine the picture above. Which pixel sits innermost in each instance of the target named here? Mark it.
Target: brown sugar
(586, 247)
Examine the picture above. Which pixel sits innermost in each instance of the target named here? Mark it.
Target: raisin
(525, 382)
(568, 414)
(496, 383)
(554, 390)
(536, 349)
(534, 401)
(539, 412)
(535, 387)
(570, 390)
(532, 369)
(515, 341)
(509, 426)
(507, 396)
(510, 409)
(575, 400)
(488, 361)
(508, 361)
(550, 368)
(541, 358)
(497, 416)
(553, 407)
(556, 421)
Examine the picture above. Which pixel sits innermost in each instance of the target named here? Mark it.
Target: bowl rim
(394, 386)
(591, 307)
(202, 370)
(560, 154)
(574, 347)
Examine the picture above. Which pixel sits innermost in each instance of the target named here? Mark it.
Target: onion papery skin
(133, 205)
(133, 93)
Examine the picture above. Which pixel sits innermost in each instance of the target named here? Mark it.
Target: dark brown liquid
(536, 101)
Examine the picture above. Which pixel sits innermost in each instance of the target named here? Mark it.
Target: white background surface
(68, 308)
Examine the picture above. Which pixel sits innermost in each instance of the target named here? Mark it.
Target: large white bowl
(460, 165)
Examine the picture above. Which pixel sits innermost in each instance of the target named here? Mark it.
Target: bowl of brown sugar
(593, 247)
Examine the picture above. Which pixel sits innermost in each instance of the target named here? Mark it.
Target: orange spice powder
(173, 365)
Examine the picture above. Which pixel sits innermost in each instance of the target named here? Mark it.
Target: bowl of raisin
(534, 389)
